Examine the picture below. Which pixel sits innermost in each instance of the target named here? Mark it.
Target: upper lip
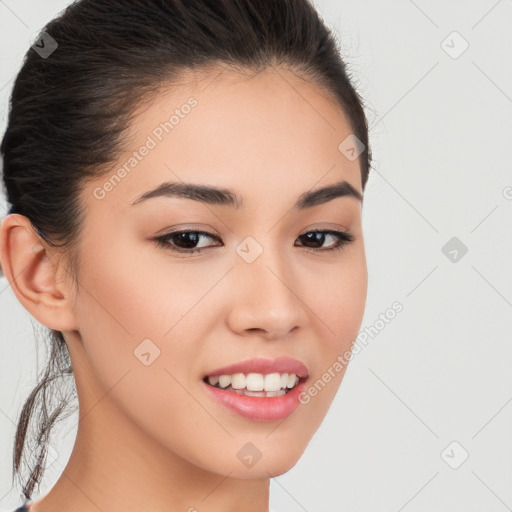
(262, 365)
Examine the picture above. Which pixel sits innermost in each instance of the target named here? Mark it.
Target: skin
(149, 437)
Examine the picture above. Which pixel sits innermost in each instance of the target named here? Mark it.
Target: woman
(186, 184)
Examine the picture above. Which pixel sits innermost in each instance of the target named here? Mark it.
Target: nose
(266, 299)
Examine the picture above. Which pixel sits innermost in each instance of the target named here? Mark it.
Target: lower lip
(259, 408)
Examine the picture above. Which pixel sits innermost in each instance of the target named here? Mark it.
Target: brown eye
(317, 238)
(184, 241)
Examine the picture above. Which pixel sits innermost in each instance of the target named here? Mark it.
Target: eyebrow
(226, 197)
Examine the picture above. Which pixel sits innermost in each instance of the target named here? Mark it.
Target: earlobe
(27, 264)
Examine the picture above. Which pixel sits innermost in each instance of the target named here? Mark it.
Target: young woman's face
(153, 322)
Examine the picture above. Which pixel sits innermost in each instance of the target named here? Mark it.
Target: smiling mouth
(256, 384)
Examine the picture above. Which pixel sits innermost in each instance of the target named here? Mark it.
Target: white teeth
(250, 393)
(224, 381)
(270, 394)
(256, 382)
(292, 380)
(272, 382)
(238, 381)
(260, 394)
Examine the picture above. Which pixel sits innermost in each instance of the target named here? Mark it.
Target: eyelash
(344, 238)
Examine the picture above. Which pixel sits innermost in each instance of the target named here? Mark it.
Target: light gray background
(439, 372)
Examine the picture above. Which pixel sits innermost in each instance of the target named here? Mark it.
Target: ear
(32, 270)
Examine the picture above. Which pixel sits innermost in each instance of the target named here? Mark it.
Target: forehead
(267, 133)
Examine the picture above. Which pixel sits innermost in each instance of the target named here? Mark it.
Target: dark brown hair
(69, 111)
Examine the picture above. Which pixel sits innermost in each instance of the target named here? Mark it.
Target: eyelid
(196, 228)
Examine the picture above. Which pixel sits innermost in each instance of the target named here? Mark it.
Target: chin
(270, 467)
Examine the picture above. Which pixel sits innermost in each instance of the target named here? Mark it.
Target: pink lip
(264, 366)
(258, 408)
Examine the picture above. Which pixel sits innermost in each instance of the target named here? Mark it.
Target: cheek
(131, 306)
(124, 310)
(344, 305)
(338, 302)
(337, 296)
(135, 296)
